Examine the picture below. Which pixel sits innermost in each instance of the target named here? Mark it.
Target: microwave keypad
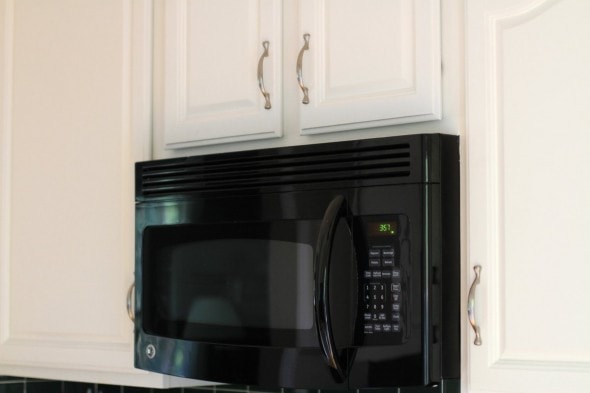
(382, 292)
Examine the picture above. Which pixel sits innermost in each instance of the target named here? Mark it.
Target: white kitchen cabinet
(528, 194)
(367, 64)
(370, 63)
(212, 53)
(69, 135)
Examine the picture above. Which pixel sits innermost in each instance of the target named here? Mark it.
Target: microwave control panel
(383, 286)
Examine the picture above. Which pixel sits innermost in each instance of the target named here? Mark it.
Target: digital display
(384, 228)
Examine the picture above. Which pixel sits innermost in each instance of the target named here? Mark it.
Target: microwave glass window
(235, 282)
(230, 282)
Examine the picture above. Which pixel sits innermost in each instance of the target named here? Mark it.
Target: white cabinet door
(213, 50)
(370, 63)
(67, 132)
(528, 187)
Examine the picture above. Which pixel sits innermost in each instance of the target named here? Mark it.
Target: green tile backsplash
(27, 385)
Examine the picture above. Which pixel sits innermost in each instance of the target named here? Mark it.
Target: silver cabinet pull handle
(304, 89)
(471, 305)
(266, 95)
(130, 296)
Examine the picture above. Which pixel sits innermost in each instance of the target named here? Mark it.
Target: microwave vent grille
(265, 170)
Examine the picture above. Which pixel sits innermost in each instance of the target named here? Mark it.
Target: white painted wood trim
(6, 66)
(141, 72)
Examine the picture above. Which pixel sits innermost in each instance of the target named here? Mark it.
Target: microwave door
(235, 294)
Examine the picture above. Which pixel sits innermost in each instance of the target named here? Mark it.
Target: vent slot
(256, 170)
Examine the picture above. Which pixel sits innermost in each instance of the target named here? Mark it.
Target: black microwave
(331, 266)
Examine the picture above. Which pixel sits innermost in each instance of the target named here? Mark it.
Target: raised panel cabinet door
(68, 125)
(528, 207)
(369, 63)
(219, 58)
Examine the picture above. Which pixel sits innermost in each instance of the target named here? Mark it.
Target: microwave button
(368, 328)
(367, 316)
(396, 287)
(396, 297)
(378, 299)
(386, 274)
(395, 307)
(396, 328)
(374, 262)
(377, 328)
(377, 274)
(387, 261)
(395, 316)
(374, 253)
(382, 316)
(387, 328)
(395, 274)
(388, 252)
(368, 274)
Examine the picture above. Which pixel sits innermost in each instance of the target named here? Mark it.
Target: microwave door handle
(335, 211)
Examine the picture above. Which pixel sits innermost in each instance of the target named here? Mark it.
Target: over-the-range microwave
(321, 266)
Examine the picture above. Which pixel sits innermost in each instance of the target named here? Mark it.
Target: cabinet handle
(130, 296)
(304, 89)
(266, 95)
(471, 305)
